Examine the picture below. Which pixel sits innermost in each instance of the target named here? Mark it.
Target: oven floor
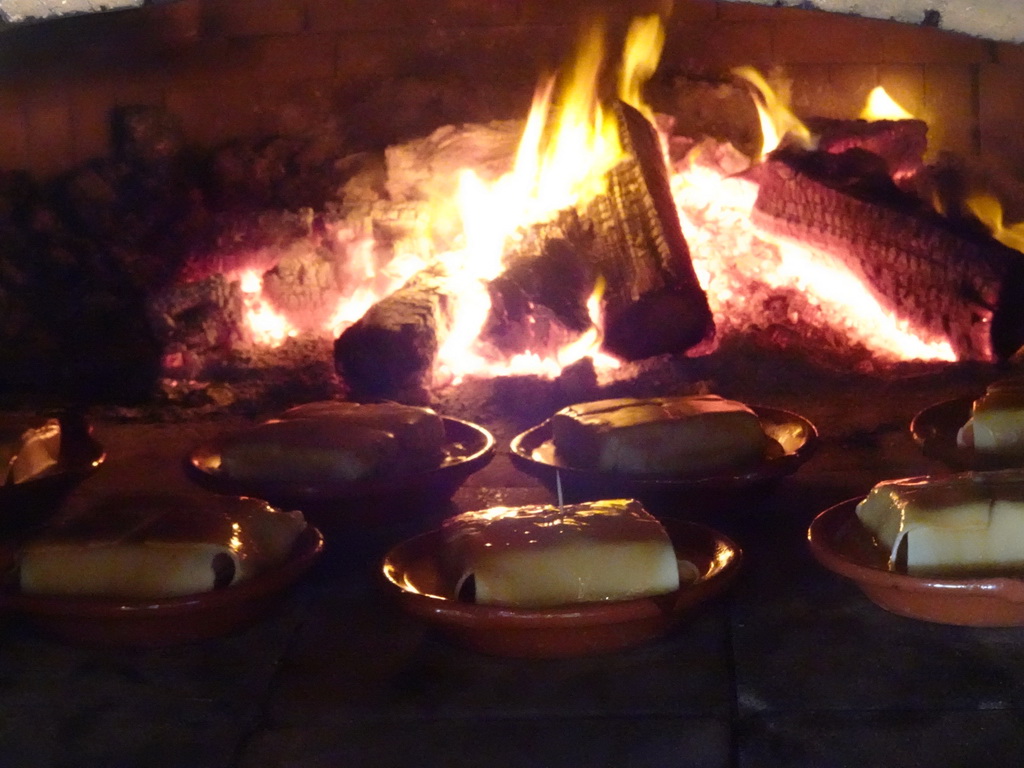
(792, 667)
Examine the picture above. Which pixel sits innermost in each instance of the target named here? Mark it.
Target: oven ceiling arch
(991, 19)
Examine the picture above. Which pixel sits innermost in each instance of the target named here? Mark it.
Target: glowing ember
(732, 260)
(855, 307)
(715, 212)
(366, 283)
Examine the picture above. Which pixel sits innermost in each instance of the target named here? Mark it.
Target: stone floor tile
(553, 742)
(370, 659)
(907, 739)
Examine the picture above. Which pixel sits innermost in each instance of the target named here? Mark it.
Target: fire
(734, 262)
(366, 282)
(568, 144)
(989, 211)
(847, 295)
(881, 106)
(265, 325)
(777, 120)
(828, 285)
(644, 43)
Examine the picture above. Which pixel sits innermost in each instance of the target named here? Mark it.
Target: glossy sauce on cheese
(625, 412)
(545, 525)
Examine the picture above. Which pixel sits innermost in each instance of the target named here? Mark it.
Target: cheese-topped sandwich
(336, 442)
(543, 556)
(996, 424)
(157, 547)
(971, 522)
(696, 434)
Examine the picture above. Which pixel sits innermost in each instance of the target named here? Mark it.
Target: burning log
(539, 301)
(946, 282)
(389, 352)
(653, 302)
(901, 144)
(630, 236)
(549, 273)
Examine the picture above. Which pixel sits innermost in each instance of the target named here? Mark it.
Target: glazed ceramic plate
(534, 452)
(468, 448)
(935, 428)
(840, 543)
(24, 506)
(167, 621)
(415, 570)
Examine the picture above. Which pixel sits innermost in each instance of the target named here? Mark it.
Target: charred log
(901, 144)
(540, 300)
(631, 238)
(653, 302)
(390, 351)
(947, 282)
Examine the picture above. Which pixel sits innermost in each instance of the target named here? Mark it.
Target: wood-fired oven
(177, 178)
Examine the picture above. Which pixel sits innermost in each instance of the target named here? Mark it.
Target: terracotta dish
(414, 569)
(468, 449)
(935, 428)
(840, 543)
(25, 506)
(534, 452)
(167, 621)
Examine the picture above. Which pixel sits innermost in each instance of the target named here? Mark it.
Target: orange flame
(569, 142)
(777, 120)
(644, 43)
(989, 211)
(568, 145)
(881, 106)
(266, 326)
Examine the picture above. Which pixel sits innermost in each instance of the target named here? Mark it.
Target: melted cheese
(696, 434)
(967, 523)
(997, 420)
(153, 548)
(541, 556)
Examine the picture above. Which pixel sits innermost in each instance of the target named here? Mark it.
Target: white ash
(990, 19)
(429, 168)
(23, 10)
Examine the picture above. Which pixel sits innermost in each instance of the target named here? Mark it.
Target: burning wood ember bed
(628, 237)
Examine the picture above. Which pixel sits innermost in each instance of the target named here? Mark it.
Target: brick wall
(378, 70)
